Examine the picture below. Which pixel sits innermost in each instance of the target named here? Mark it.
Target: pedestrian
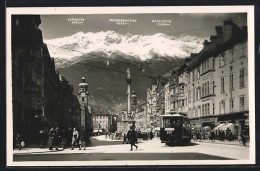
(151, 135)
(51, 138)
(19, 140)
(57, 139)
(132, 136)
(212, 135)
(42, 138)
(128, 136)
(83, 138)
(75, 137)
(124, 139)
(243, 138)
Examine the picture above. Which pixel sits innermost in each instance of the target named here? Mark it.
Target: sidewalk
(150, 146)
(236, 142)
(114, 148)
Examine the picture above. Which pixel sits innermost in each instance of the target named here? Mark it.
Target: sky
(200, 25)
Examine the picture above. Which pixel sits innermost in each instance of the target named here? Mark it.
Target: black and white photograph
(109, 86)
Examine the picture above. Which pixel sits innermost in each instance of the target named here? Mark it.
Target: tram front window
(172, 122)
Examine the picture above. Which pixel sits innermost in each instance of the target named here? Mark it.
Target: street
(113, 150)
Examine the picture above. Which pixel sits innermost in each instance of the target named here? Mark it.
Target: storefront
(240, 121)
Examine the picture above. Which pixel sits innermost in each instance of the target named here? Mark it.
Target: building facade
(215, 81)
(38, 92)
(102, 121)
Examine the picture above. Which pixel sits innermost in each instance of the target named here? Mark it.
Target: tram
(175, 129)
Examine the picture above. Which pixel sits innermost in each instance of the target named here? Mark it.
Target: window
(222, 107)
(221, 60)
(194, 94)
(242, 77)
(182, 103)
(213, 87)
(205, 89)
(193, 75)
(231, 82)
(231, 105)
(222, 84)
(242, 103)
(243, 50)
(174, 105)
(198, 92)
(208, 109)
(213, 108)
(83, 99)
(213, 63)
(198, 73)
(199, 112)
(202, 110)
(189, 96)
(207, 62)
(182, 89)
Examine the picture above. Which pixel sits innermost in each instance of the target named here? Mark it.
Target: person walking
(128, 136)
(124, 139)
(51, 138)
(132, 136)
(75, 137)
(83, 138)
(243, 138)
(19, 140)
(42, 138)
(58, 138)
(151, 135)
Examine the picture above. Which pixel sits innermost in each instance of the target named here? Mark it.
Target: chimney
(206, 43)
(228, 25)
(193, 55)
(212, 38)
(219, 30)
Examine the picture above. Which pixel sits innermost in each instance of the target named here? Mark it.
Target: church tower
(83, 100)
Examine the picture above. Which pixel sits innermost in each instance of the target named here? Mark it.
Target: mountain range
(103, 57)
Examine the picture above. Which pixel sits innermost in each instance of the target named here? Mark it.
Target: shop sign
(208, 120)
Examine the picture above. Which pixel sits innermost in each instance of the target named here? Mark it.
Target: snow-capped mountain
(139, 46)
(89, 54)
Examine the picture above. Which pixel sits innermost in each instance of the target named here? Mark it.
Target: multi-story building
(142, 118)
(156, 101)
(38, 93)
(102, 121)
(215, 82)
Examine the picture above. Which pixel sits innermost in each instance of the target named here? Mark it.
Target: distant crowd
(221, 135)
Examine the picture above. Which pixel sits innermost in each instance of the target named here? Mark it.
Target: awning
(220, 127)
(157, 129)
(231, 126)
(207, 128)
(97, 131)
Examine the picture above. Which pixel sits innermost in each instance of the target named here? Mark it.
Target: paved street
(114, 150)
